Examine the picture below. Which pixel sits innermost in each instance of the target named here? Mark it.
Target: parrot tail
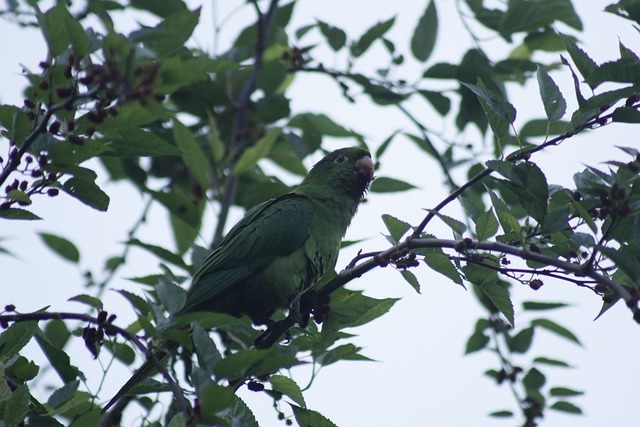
(144, 371)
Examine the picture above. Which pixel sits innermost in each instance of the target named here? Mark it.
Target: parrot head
(347, 170)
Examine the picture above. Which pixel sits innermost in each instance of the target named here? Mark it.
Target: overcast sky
(422, 377)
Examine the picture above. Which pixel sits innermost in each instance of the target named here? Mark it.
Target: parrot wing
(270, 230)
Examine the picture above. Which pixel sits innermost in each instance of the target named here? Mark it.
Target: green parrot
(279, 249)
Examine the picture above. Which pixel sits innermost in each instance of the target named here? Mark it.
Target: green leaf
(537, 305)
(486, 225)
(458, 227)
(341, 352)
(308, 418)
(17, 213)
(396, 227)
(424, 36)
(627, 9)
(499, 296)
(534, 380)
(208, 354)
(61, 246)
(527, 182)
(542, 127)
(321, 124)
(58, 359)
(122, 352)
(253, 362)
(621, 71)
(19, 196)
(551, 362)
(288, 387)
(411, 279)
(17, 407)
(583, 62)
(63, 394)
(626, 115)
(497, 109)
(193, 156)
(160, 252)
(171, 34)
(216, 399)
(554, 103)
(372, 34)
(172, 296)
(525, 16)
(384, 145)
(567, 407)
(88, 300)
(335, 36)
(508, 221)
(384, 184)
(501, 414)
(564, 392)
(521, 342)
(57, 332)
(86, 191)
(127, 141)
(478, 340)
(253, 154)
(556, 329)
(441, 103)
(23, 369)
(15, 337)
(442, 264)
(62, 30)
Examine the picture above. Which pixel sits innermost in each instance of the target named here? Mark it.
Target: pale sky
(421, 376)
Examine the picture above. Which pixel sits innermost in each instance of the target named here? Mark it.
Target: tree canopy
(198, 135)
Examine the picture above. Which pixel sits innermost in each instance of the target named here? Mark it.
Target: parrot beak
(364, 169)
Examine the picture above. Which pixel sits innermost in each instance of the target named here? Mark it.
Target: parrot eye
(341, 159)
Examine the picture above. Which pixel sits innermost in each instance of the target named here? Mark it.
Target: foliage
(188, 129)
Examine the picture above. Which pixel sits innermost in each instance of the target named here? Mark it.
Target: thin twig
(38, 129)
(175, 388)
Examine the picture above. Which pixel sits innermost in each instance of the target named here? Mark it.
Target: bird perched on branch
(279, 249)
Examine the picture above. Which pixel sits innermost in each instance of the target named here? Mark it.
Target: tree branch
(38, 129)
(275, 331)
(264, 23)
(185, 407)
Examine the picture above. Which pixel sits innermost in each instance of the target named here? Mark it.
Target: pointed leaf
(389, 185)
(583, 62)
(89, 300)
(396, 227)
(568, 407)
(554, 103)
(499, 296)
(253, 154)
(288, 387)
(486, 225)
(61, 246)
(552, 326)
(424, 36)
(193, 156)
(497, 109)
(411, 279)
(443, 265)
(172, 296)
(372, 34)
